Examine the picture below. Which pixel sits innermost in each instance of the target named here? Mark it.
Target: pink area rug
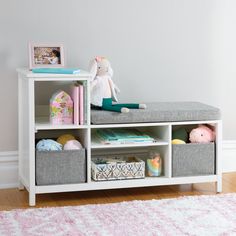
(198, 215)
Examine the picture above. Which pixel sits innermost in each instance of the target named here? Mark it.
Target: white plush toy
(103, 90)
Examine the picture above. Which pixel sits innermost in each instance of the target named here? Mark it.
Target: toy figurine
(103, 89)
(154, 165)
(61, 108)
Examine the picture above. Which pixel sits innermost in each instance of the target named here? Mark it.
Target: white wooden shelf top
(42, 123)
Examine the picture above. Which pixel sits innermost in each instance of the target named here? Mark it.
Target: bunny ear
(98, 59)
(93, 68)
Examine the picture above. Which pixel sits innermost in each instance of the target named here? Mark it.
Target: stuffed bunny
(202, 134)
(103, 89)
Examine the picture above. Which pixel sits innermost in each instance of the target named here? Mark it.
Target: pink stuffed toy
(202, 134)
(72, 145)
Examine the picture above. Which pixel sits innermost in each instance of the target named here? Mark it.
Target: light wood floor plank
(14, 199)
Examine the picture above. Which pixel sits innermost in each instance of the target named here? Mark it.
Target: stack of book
(123, 136)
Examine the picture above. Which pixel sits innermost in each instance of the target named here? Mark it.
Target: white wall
(161, 50)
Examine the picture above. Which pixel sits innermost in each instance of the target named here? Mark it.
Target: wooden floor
(13, 198)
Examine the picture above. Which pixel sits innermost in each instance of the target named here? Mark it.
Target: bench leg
(219, 185)
(21, 186)
(32, 199)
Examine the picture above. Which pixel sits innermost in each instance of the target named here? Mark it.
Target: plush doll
(103, 89)
(63, 139)
(202, 134)
(72, 145)
(177, 141)
(48, 145)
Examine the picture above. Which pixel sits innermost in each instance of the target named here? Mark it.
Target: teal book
(56, 70)
(123, 135)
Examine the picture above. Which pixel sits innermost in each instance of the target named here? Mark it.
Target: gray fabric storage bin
(60, 167)
(193, 159)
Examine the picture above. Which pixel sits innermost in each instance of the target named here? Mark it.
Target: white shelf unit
(34, 123)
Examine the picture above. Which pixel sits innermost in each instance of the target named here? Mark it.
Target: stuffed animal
(63, 139)
(103, 89)
(48, 145)
(72, 145)
(202, 134)
(177, 141)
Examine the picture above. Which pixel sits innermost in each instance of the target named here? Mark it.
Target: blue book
(56, 70)
(123, 135)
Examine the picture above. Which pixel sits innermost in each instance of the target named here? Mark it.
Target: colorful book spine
(85, 104)
(75, 97)
(81, 104)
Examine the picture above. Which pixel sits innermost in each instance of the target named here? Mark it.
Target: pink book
(81, 104)
(75, 97)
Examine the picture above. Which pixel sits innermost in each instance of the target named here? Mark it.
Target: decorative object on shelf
(63, 139)
(48, 145)
(202, 134)
(72, 145)
(56, 70)
(180, 134)
(115, 168)
(61, 108)
(46, 55)
(154, 164)
(103, 89)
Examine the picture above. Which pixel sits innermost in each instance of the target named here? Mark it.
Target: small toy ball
(48, 145)
(202, 134)
(72, 145)
(181, 134)
(177, 141)
(64, 138)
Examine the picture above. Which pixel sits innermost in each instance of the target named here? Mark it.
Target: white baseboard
(229, 156)
(9, 164)
(8, 169)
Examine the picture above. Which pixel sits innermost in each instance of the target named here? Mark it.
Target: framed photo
(46, 55)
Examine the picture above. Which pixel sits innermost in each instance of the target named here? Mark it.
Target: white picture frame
(46, 55)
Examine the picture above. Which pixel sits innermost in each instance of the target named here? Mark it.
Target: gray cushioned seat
(159, 112)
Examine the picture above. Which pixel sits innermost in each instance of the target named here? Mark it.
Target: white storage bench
(158, 120)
